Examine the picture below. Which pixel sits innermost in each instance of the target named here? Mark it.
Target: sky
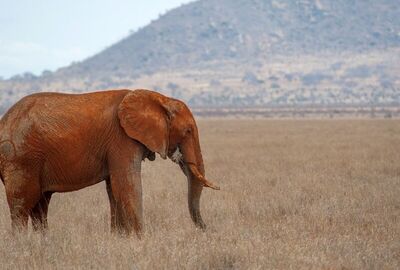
(49, 34)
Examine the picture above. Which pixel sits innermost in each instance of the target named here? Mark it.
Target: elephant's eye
(188, 130)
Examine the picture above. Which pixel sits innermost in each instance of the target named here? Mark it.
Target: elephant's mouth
(149, 155)
(176, 156)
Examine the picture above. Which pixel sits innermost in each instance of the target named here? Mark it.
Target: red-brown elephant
(54, 142)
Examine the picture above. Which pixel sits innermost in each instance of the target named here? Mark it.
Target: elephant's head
(166, 126)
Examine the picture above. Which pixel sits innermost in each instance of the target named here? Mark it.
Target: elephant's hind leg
(39, 212)
(23, 192)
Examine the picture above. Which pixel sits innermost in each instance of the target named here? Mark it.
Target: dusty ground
(295, 194)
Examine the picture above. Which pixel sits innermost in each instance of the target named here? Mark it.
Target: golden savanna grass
(295, 194)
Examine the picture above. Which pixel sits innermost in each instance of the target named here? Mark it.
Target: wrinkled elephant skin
(54, 142)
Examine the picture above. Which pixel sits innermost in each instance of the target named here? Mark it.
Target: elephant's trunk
(194, 192)
(193, 159)
(193, 167)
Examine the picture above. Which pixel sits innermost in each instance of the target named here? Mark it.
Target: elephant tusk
(209, 184)
(201, 178)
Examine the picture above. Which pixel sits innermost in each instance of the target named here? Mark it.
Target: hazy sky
(47, 34)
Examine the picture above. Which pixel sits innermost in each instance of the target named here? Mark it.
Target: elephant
(58, 142)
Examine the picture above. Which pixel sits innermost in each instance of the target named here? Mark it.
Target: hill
(247, 53)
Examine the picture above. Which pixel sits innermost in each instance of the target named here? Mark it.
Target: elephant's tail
(1, 176)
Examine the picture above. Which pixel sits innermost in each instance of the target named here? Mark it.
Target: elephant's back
(46, 118)
(18, 119)
(45, 106)
(21, 109)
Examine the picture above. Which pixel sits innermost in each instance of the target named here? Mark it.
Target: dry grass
(295, 194)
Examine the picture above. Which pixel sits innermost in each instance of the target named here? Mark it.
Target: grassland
(295, 195)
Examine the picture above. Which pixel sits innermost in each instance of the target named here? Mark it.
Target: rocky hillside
(249, 52)
(215, 30)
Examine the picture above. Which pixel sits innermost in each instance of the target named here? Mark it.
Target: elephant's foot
(124, 228)
(39, 213)
(132, 222)
(39, 224)
(19, 222)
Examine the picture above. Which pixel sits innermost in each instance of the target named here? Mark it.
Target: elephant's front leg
(126, 190)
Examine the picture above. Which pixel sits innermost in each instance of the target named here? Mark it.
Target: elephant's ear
(144, 119)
